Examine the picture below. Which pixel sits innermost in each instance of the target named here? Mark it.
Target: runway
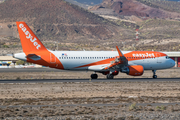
(67, 79)
(89, 80)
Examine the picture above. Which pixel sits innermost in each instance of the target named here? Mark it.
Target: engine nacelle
(113, 73)
(134, 70)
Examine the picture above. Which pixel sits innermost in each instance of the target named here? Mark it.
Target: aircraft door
(146, 64)
(52, 58)
(158, 58)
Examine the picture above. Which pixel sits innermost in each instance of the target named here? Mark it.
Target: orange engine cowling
(135, 70)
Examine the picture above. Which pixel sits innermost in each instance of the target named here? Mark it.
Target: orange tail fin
(29, 41)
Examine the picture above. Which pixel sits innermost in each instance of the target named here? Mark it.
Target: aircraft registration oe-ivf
(109, 63)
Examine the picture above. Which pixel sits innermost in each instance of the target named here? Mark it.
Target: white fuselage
(73, 59)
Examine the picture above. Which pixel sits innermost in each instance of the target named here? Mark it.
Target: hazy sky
(92, 2)
(89, 1)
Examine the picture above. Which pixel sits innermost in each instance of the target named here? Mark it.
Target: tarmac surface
(89, 80)
(19, 70)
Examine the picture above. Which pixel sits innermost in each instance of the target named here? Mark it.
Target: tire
(110, 76)
(94, 76)
(154, 76)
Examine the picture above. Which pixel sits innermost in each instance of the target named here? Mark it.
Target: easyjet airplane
(108, 63)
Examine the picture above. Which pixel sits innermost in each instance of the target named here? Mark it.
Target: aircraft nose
(172, 63)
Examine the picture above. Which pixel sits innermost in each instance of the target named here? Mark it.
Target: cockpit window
(167, 57)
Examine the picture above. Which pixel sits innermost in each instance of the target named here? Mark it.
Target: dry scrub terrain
(89, 100)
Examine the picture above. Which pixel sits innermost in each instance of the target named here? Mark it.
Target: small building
(7, 60)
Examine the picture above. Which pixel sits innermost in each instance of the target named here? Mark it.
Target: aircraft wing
(118, 63)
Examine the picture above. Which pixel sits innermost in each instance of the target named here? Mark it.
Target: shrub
(132, 106)
(161, 107)
(18, 78)
(20, 62)
(5, 46)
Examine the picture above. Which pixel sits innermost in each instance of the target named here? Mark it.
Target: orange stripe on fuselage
(131, 56)
(46, 59)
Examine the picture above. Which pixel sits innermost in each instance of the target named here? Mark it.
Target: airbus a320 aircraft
(108, 63)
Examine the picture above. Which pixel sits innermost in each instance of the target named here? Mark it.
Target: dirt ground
(89, 100)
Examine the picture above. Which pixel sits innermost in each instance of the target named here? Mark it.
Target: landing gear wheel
(110, 76)
(94, 76)
(154, 76)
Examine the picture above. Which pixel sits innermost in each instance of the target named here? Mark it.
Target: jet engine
(134, 70)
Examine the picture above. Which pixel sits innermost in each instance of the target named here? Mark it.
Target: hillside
(73, 27)
(171, 5)
(159, 34)
(56, 19)
(70, 27)
(142, 8)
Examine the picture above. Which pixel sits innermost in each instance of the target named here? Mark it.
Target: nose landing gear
(154, 74)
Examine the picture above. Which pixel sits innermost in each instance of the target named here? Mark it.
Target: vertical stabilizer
(29, 41)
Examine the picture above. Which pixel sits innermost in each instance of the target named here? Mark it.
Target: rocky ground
(90, 100)
(94, 113)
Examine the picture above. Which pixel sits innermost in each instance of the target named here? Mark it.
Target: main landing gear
(110, 76)
(154, 74)
(94, 76)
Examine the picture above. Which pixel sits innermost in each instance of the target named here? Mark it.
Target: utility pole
(57, 45)
(137, 34)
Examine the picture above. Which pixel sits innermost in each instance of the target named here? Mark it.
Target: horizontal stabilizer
(33, 57)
